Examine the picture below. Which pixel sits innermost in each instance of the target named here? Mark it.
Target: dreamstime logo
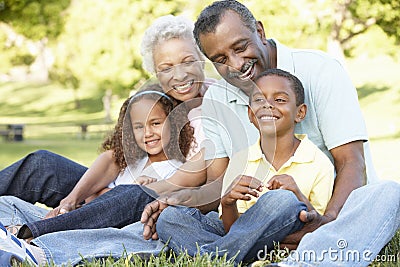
(341, 253)
(341, 244)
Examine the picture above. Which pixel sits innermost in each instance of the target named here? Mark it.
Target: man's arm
(350, 174)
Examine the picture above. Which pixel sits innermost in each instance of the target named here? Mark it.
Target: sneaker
(9, 259)
(13, 249)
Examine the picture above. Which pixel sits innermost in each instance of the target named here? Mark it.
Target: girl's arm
(103, 171)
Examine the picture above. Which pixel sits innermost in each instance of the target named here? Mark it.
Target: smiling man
(229, 35)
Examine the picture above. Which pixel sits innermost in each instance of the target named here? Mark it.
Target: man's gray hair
(211, 16)
(163, 29)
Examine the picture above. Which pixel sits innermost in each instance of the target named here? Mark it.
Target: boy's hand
(243, 187)
(283, 181)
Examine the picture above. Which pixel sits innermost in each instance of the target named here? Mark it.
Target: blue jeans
(118, 207)
(368, 220)
(373, 212)
(15, 211)
(269, 220)
(70, 246)
(41, 176)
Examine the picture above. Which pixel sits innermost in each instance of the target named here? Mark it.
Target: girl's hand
(143, 180)
(243, 187)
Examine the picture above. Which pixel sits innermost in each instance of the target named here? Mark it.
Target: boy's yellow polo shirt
(309, 166)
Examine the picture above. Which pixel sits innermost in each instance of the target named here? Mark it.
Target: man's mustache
(243, 69)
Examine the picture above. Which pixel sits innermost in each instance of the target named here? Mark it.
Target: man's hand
(313, 220)
(149, 218)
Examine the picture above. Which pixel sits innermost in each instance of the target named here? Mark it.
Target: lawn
(52, 123)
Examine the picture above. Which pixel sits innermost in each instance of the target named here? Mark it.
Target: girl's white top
(158, 170)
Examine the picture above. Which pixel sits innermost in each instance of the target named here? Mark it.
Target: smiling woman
(169, 51)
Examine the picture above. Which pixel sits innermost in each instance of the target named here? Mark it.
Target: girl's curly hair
(122, 140)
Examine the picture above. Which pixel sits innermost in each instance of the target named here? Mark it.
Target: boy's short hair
(295, 83)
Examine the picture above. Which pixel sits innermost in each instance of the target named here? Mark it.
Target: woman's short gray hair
(163, 29)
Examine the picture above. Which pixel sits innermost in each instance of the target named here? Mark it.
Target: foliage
(35, 19)
(101, 42)
(341, 21)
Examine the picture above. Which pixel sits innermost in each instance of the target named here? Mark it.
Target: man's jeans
(368, 220)
(274, 216)
(42, 177)
(118, 207)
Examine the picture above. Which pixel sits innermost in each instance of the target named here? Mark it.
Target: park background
(68, 63)
(65, 64)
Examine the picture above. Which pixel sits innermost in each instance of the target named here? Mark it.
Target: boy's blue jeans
(41, 176)
(274, 216)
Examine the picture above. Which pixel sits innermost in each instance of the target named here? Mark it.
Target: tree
(343, 20)
(35, 23)
(35, 19)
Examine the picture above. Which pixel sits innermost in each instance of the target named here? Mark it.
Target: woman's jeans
(41, 176)
(118, 207)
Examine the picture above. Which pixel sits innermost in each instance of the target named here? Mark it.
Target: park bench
(12, 132)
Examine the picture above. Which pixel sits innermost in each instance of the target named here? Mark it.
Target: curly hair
(122, 140)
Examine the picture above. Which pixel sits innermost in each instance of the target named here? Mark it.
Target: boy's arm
(103, 171)
(241, 189)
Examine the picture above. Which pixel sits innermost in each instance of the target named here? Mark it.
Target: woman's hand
(61, 209)
(143, 180)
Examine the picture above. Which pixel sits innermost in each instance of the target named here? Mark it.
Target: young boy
(279, 160)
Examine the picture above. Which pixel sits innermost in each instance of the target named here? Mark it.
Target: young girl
(143, 143)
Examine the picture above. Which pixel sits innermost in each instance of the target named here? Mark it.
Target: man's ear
(261, 32)
(301, 113)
